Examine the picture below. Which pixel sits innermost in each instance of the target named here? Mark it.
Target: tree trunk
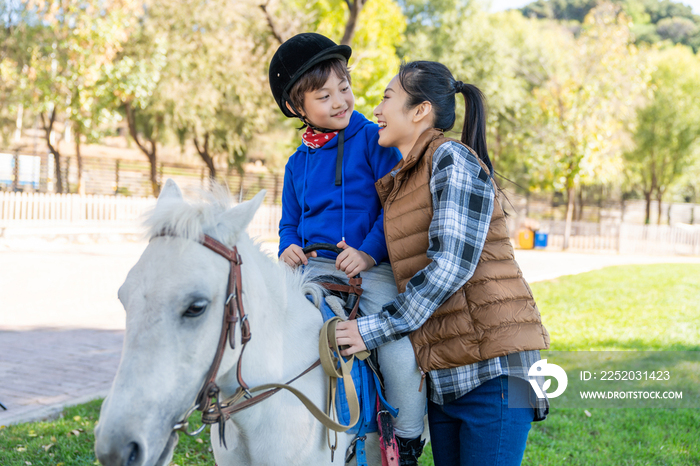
(203, 152)
(579, 216)
(355, 7)
(622, 208)
(155, 187)
(81, 187)
(48, 128)
(647, 207)
(571, 193)
(659, 197)
(271, 23)
(149, 153)
(527, 203)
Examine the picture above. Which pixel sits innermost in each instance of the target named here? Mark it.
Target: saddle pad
(366, 383)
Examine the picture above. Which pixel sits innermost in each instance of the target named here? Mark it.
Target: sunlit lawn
(649, 307)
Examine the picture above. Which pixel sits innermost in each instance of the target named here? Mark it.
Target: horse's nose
(131, 454)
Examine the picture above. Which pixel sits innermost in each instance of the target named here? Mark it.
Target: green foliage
(594, 80)
(565, 10)
(654, 20)
(66, 53)
(667, 133)
(461, 35)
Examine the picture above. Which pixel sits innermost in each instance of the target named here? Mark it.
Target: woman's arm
(462, 195)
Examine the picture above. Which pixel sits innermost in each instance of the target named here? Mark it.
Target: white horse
(174, 300)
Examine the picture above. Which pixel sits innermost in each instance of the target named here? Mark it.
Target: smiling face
(331, 106)
(400, 126)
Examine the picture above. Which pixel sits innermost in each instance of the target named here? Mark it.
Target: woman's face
(396, 125)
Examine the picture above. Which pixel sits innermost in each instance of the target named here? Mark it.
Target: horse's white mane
(191, 219)
(202, 215)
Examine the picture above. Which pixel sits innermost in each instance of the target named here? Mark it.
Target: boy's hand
(351, 261)
(294, 256)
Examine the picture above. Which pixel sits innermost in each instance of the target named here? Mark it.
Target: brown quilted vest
(494, 313)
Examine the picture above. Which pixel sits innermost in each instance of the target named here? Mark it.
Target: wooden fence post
(116, 177)
(15, 172)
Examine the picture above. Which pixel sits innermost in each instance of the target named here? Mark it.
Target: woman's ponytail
(433, 82)
(474, 129)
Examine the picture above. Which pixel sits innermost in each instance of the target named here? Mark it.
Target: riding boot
(409, 450)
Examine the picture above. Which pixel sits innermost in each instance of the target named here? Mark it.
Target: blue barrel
(540, 239)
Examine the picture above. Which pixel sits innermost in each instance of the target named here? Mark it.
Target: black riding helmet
(294, 58)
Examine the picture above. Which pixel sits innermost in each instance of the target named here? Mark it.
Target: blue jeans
(479, 428)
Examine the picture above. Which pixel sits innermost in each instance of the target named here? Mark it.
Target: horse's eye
(196, 309)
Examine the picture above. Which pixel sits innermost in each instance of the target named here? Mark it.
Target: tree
(68, 44)
(503, 54)
(132, 82)
(591, 90)
(654, 20)
(667, 134)
(676, 29)
(10, 100)
(217, 57)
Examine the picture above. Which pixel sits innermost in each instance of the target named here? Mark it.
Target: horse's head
(174, 299)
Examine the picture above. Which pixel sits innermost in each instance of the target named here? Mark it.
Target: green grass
(633, 307)
(70, 441)
(649, 307)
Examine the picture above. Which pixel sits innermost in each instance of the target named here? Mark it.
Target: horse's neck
(284, 324)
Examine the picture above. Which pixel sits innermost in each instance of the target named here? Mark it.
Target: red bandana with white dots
(316, 141)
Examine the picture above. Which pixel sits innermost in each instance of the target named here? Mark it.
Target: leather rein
(219, 411)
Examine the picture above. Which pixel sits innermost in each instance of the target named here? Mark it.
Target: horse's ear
(170, 191)
(237, 219)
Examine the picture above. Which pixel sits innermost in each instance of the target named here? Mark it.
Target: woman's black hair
(428, 81)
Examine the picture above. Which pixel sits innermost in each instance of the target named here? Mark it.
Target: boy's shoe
(410, 450)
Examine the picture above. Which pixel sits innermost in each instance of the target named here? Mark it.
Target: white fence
(40, 208)
(625, 238)
(22, 210)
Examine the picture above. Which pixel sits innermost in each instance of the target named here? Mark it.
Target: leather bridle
(219, 411)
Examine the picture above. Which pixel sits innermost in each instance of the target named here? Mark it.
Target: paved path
(61, 325)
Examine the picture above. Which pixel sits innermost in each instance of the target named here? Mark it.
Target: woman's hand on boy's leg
(347, 334)
(294, 256)
(352, 261)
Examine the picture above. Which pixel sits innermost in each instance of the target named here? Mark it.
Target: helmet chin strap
(320, 130)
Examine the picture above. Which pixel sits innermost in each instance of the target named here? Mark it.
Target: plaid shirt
(463, 201)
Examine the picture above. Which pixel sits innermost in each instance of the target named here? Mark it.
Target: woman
(471, 317)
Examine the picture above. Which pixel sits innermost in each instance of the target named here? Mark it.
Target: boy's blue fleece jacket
(309, 180)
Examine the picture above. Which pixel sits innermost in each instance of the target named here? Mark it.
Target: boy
(329, 197)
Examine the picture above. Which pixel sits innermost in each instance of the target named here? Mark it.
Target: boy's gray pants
(396, 359)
